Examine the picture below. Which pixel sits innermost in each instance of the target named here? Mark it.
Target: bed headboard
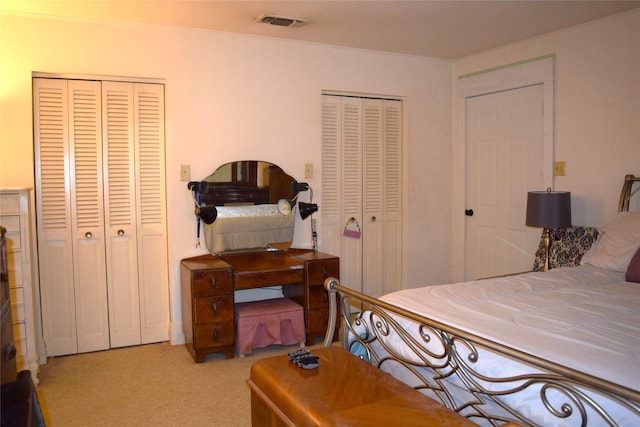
(628, 191)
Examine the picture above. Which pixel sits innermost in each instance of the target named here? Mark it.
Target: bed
(556, 348)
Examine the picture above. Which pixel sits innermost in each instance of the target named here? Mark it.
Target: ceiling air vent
(281, 21)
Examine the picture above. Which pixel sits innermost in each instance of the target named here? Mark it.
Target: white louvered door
(99, 170)
(120, 219)
(362, 188)
(70, 215)
(151, 224)
(87, 216)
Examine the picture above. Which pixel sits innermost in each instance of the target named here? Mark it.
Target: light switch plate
(185, 172)
(558, 169)
(308, 170)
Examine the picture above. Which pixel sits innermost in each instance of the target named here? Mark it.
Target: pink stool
(267, 322)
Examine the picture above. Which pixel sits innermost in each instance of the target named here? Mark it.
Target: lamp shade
(307, 209)
(549, 209)
(208, 214)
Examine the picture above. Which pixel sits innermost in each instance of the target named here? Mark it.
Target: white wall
(232, 97)
(597, 107)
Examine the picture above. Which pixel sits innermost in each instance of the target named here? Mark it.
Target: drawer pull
(216, 332)
(214, 306)
(10, 352)
(213, 282)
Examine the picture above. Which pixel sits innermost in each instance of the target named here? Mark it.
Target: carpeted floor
(150, 385)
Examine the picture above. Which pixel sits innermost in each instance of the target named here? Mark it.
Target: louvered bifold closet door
(153, 268)
(342, 183)
(382, 196)
(67, 129)
(373, 197)
(362, 182)
(392, 196)
(331, 203)
(120, 215)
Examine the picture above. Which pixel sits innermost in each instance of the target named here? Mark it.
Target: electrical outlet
(185, 173)
(558, 168)
(308, 170)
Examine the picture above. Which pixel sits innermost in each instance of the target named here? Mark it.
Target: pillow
(617, 243)
(568, 245)
(633, 271)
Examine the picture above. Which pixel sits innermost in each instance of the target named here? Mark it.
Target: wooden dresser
(209, 281)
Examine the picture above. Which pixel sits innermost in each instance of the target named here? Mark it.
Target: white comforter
(582, 317)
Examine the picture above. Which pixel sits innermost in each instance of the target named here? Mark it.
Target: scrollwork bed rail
(442, 362)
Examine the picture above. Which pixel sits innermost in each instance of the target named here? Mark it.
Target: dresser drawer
(214, 334)
(321, 270)
(317, 320)
(318, 297)
(269, 278)
(212, 282)
(213, 309)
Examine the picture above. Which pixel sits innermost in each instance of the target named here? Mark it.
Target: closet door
(362, 190)
(69, 206)
(120, 214)
(87, 213)
(153, 267)
(391, 236)
(135, 212)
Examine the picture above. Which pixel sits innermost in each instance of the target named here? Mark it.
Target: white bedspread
(582, 317)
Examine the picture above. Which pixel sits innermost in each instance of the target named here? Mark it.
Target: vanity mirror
(246, 205)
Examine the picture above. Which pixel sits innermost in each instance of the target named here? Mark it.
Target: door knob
(468, 212)
(88, 234)
(120, 232)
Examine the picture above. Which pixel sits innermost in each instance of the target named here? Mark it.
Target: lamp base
(546, 241)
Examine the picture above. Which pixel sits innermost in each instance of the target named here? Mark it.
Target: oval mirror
(250, 199)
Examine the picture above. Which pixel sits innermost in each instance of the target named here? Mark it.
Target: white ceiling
(441, 29)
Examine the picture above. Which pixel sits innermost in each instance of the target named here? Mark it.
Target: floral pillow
(568, 245)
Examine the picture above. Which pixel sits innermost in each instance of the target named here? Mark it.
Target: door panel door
(504, 162)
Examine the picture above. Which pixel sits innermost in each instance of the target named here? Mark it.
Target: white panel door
(504, 162)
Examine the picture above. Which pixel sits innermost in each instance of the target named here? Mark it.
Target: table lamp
(550, 210)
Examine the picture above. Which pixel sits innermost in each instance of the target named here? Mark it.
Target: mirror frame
(246, 182)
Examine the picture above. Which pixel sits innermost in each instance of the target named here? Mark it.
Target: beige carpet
(156, 384)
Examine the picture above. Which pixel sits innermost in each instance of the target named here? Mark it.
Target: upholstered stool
(266, 322)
